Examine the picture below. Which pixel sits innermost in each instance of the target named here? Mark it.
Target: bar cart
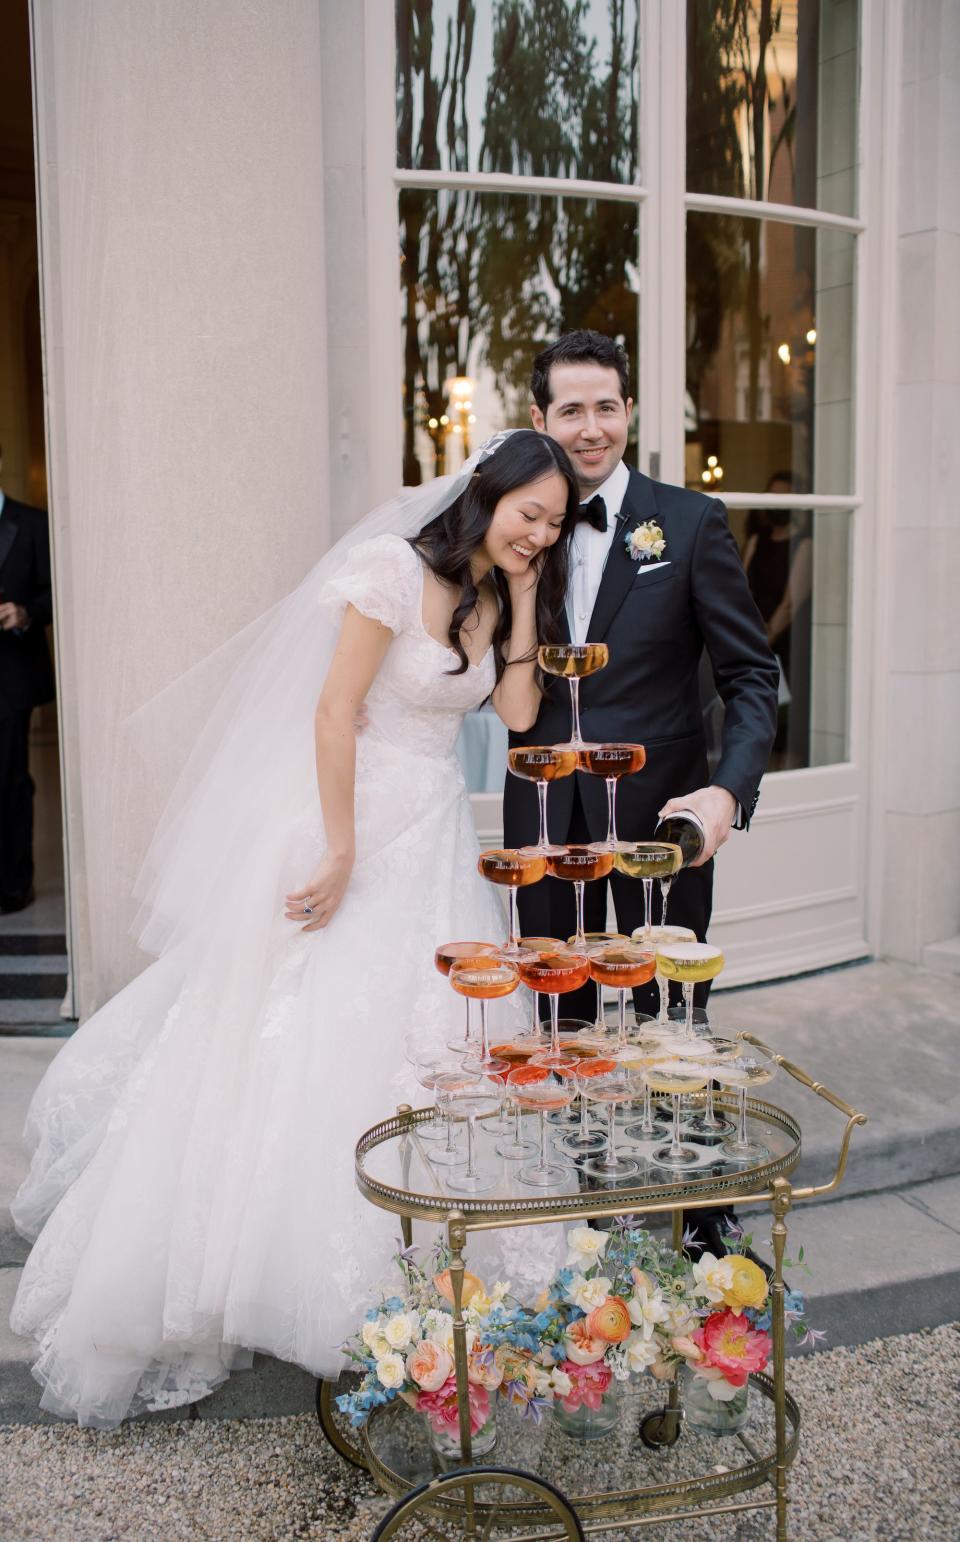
(653, 1469)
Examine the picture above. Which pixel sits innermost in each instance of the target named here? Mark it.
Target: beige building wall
(180, 172)
(921, 767)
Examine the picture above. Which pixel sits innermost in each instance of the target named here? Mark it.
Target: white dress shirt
(589, 550)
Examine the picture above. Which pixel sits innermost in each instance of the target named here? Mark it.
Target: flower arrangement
(623, 1304)
(645, 543)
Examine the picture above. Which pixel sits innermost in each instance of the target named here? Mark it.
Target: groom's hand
(716, 808)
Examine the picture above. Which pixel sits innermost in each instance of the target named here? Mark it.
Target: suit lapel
(640, 504)
(8, 532)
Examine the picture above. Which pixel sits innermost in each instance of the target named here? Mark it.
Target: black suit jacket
(657, 619)
(26, 674)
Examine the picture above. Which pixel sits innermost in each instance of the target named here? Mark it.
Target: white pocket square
(653, 567)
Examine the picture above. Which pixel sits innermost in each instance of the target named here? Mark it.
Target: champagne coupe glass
(539, 945)
(517, 1148)
(574, 661)
(690, 963)
(622, 966)
(676, 1077)
(469, 1097)
(639, 1057)
(750, 1069)
(611, 761)
(514, 869)
(554, 974)
(619, 1086)
(543, 764)
(647, 860)
(456, 952)
(579, 865)
(713, 1050)
(542, 1094)
(419, 1048)
(660, 937)
(584, 1138)
(485, 979)
(430, 1068)
(593, 940)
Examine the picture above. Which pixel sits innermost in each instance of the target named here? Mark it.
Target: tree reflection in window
(487, 278)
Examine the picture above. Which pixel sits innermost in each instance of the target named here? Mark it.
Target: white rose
(712, 1276)
(391, 1371)
(560, 1381)
(399, 1330)
(585, 1246)
(586, 1294)
(640, 1351)
(371, 1332)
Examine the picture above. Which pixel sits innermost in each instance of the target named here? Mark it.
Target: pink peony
(588, 1384)
(429, 1365)
(440, 1407)
(732, 1346)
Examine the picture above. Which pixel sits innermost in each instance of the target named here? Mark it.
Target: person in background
(26, 681)
(778, 558)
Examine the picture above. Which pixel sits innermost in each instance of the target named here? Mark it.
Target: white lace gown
(191, 1187)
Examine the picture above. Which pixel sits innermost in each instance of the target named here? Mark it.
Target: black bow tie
(594, 512)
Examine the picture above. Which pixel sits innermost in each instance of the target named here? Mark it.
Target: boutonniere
(645, 543)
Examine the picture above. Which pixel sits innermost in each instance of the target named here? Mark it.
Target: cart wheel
(452, 1488)
(661, 1429)
(336, 1427)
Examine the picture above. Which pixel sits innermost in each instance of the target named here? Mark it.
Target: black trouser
(16, 805)
(548, 909)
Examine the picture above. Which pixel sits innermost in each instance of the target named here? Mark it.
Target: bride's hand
(319, 899)
(526, 583)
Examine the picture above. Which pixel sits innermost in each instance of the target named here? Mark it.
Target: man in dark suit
(26, 681)
(656, 616)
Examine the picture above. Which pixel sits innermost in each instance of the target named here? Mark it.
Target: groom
(657, 616)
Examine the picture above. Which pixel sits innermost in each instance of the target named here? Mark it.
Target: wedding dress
(192, 1177)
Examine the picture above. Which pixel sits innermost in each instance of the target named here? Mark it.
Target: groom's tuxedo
(656, 618)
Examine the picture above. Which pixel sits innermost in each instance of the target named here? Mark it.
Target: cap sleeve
(381, 579)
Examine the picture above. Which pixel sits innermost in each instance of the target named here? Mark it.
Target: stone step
(879, 1264)
(943, 957)
(34, 1017)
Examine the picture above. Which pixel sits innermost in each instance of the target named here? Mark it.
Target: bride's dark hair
(449, 541)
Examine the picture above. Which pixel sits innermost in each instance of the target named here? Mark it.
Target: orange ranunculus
(610, 1321)
(471, 1284)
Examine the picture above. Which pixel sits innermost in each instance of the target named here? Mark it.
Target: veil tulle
(249, 709)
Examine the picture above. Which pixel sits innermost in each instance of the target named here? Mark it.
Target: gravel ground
(879, 1459)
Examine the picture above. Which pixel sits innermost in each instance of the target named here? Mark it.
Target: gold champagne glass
(611, 761)
(543, 764)
(515, 870)
(691, 963)
(579, 865)
(484, 980)
(574, 661)
(676, 1077)
(647, 860)
(661, 937)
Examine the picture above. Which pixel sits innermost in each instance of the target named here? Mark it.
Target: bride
(191, 1187)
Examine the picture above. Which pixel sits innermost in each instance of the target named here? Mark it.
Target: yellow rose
(748, 1284)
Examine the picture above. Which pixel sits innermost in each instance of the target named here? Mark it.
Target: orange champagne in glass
(543, 764)
(485, 980)
(573, 662)
(579, 865)
(611, 761)
(513, 869)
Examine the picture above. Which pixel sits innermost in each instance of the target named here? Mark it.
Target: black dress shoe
(11, 902)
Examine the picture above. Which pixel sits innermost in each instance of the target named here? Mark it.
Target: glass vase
(446, 1443)
(711, 1415)
(585, 1423)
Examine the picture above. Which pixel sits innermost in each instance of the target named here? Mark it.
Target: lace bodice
(414, 703)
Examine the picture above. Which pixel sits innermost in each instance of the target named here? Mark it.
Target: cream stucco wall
(180, 174)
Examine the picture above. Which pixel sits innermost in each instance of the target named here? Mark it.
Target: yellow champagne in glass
(691, 963)
(573, 662)
(676, 1077)
(751, 1069)
(647, 860)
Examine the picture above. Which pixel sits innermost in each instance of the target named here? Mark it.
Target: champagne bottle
(684, 829)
